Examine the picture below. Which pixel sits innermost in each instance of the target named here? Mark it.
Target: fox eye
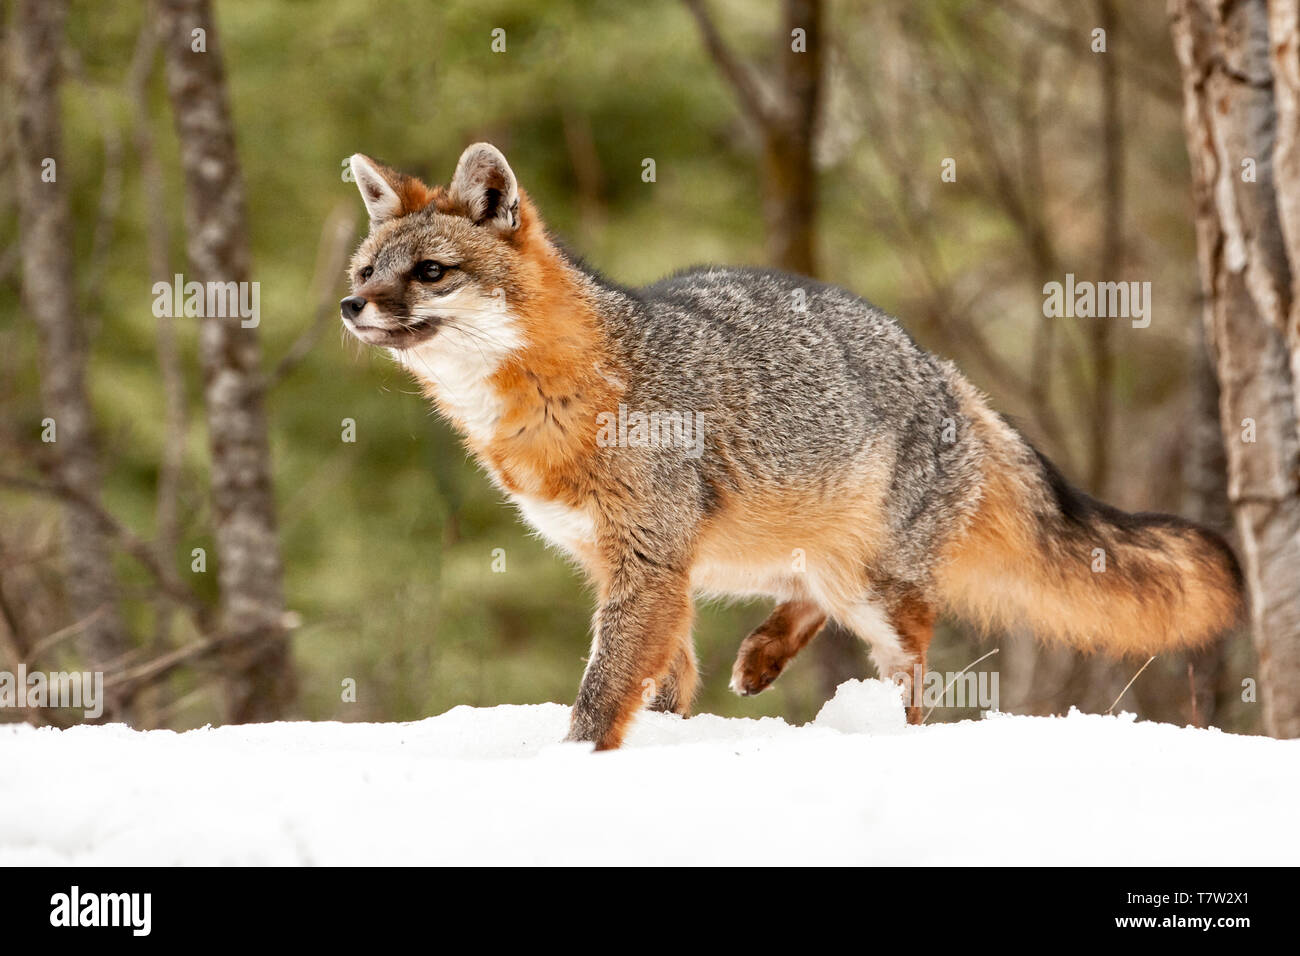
(429, 271)
(367, 272)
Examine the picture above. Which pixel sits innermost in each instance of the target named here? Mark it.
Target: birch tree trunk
(49, 295)
(1240, 117)
(258, 670)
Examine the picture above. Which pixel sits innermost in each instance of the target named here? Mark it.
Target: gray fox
(739, 432)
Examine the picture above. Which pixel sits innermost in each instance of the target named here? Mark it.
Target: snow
(493, 786)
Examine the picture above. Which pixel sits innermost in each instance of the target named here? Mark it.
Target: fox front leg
(675, 692)
(643, 623)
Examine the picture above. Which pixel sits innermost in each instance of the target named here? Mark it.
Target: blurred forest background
(1060, 158)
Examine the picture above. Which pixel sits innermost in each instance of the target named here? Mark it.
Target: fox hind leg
(913, 619)
(764, 654)
(898, 632)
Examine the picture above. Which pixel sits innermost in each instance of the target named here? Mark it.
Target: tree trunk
(1231, 116)
(785, 117)
(789, 179)
(49, 294)
(258, 671)
(1205, 499)
(1284, 47)
(1112, 251)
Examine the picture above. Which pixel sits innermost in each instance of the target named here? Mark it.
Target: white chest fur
(569, 528)
(475, 338)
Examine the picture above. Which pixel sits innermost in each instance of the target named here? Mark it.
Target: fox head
(465, 289)
(439, 262)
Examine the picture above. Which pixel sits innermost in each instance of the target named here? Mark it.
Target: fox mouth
(404, 336)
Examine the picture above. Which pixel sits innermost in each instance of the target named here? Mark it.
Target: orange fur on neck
(553, 387)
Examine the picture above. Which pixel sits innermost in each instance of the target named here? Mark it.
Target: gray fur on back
(793, 396)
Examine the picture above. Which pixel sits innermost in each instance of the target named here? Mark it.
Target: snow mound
(864, 707)
(495, 786)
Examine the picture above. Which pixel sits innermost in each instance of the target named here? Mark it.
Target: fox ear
(380, 188)
(485, 188)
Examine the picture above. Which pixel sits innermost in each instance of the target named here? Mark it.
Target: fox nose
(351, 306)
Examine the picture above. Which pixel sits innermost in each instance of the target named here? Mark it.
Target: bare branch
(737, 73)
(171, 465)
(337, 236)
(139, 549)
(44, 644)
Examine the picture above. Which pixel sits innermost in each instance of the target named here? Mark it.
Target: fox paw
(759, 662)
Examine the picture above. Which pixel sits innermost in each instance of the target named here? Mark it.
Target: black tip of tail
(1081, 509)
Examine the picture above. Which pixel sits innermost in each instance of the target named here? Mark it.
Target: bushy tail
(1040, 554)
